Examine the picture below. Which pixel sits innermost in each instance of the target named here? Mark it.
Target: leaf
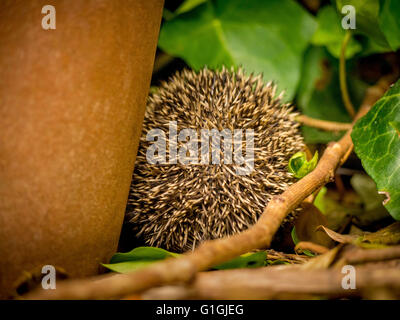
(373, 210)
(184, 7)
(299, 166)
(339, 209)
(313, 71)
(319, 94)
(389, 21)
(330, 33)
(144, 256)
(371, 47)
(386, 236)
(319, 202)
(389, 235)
(248, 260)
(396, 126)
(366, 189)
(188, 5)
(137, 258)
(367, 18)
(341, 238)
(266, 37)
(307, 223)
(128, 266)
(377, 144)
(167, 14)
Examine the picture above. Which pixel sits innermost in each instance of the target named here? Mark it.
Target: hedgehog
(176, 205)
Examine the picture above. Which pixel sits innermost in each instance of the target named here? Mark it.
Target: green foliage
(372, 209)
(248, 260)
(188, 5)
(319, 94)
(377, 19)
(367, 13)
(271, 37)
(377, 143)
(137, 258)
(319, 201)
(389, 21)
(330, 34)
(266, 37)
(144, 256)
(128, 266)
(299, 166)
(184, 7)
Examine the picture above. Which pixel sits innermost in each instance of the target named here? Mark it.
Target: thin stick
(342, 76)
(214, 252)
(323, 124)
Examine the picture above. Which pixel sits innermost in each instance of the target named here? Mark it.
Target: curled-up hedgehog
(180, 198)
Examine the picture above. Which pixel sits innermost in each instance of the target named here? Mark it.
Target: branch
(276, 282)
(211, 253)
(371, 255)
(323, 124)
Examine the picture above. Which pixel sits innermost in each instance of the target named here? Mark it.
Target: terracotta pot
(71, 107)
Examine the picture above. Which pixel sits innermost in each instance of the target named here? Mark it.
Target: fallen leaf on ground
(389, 235)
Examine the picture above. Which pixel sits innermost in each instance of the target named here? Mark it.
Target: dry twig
(371, 255)
(288, 282)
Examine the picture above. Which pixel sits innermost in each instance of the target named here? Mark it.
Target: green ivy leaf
(377, 143)
(184, 7)
(319, 201)
(248, 260)
(188, 5)
(127, 266)
(266, 37)
(144, 256)
(137, 258)
(367, 18)
(330, 34)
(299, 166)
(389, 21)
